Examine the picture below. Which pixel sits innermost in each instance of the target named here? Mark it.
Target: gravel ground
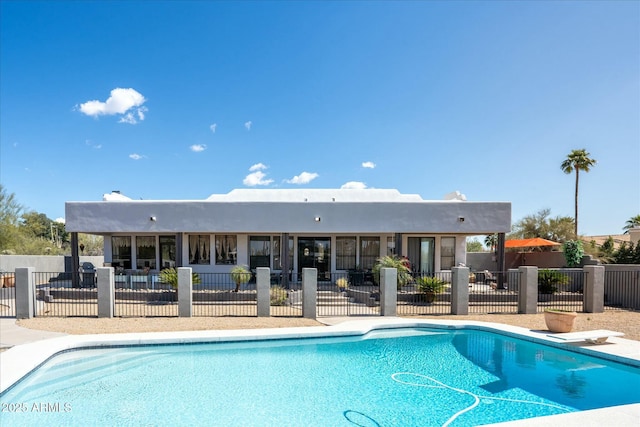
(627, 322)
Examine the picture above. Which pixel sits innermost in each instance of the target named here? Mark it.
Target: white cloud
(303, 178)
(248, 125)
(353, 185)
(197, 148)
(369, 165)
(59, 220)
(213, 127)
(256, 178)
(135, 156)
(127, 102)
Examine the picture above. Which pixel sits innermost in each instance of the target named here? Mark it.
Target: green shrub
(278, 295)
(170, 277)
(550, 280)
(430, 284)
(404, 274)
(573, 252)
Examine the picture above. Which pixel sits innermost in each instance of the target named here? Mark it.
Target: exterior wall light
(152, 218)
(460, 219)
(317, 219)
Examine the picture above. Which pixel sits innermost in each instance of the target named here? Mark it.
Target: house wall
(265, 217)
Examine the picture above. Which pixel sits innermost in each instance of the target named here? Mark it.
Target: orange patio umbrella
(529, 243)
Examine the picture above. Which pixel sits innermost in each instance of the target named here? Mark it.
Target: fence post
(24, 292)
(388, 291)
(309, 292)
(106, 291)
(263, 288)
(593, 291)
(460, 290)
(185, 291)
(528, 292)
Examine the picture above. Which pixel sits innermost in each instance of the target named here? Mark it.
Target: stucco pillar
(284, 257)
(388, 292)
(106, 291)
(263, 289)
(185, 291)
(25, 293)
(309, 292)
(460, 290)
(528, 293)
(593, 291)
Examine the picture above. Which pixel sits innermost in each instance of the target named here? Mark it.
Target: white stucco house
(332, 230)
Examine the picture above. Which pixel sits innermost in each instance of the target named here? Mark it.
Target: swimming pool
(408, 376)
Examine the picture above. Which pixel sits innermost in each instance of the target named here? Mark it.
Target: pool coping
(18, 361)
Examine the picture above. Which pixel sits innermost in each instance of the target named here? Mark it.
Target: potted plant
(342, 283)
(559, 320)
(428, 287)
(404, 274)
(240, 275)
(169, 276)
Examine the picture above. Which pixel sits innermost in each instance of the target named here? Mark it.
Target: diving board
(592, 337)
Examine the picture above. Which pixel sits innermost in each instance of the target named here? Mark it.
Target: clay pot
(559, 321)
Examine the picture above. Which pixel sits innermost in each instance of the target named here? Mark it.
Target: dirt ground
(627, 322)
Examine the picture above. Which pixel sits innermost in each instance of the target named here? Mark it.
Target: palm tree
(577, 160)
(632, 222)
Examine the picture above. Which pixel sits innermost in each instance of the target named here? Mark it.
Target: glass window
(167, 251)
(200, 249)
(447, 253)
(259, 251)
(346, 253)
(369, 252)
(226, 249)
(277, 253)
(391, 246)
(121, 252)
(145, 252)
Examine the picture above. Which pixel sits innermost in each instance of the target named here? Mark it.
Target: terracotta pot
(560, 321)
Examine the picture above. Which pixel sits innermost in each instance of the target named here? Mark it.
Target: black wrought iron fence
(65, 295)
(561, 289)
(144, 295)
(422, 294)
(7, 294)
(622, 290)
(344, 294)
(494, 292)
(216, 295)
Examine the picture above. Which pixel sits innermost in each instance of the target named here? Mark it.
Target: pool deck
(31, 348)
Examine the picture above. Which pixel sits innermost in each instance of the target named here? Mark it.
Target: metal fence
(347, 294)
(216, 295)
(425, 294)
(56, 296)
(622, 290)
(494, 292)
(561, 289)
(142, 295)
(7, 295)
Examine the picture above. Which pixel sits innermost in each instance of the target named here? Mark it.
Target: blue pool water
(408, 377)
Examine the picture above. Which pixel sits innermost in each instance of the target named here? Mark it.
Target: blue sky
(180, 100)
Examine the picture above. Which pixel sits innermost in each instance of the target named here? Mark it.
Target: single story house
(333, 230)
